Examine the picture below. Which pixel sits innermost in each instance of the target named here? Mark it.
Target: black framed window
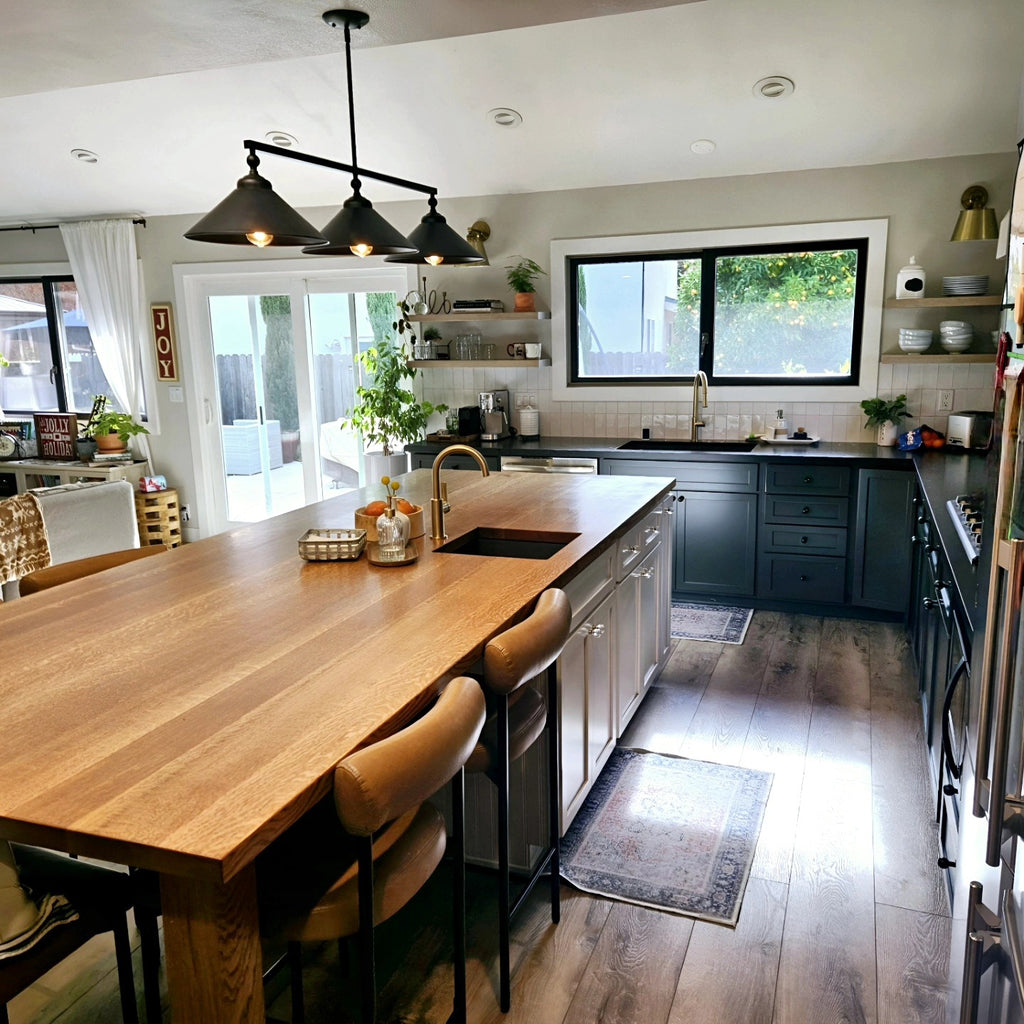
(44, 336)
(759, 315)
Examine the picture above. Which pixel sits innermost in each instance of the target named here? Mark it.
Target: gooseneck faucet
(699, 378)
(437, 501)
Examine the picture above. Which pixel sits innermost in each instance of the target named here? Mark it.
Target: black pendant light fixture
(255, 215)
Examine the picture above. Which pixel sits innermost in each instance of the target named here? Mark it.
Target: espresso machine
(494, 422)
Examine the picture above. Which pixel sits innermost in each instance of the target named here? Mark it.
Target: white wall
(920, 200)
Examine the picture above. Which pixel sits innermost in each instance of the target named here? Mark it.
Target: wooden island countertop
(180, 712)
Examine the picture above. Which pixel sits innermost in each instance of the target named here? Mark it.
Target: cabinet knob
(631, 550)
(596, 630)
(930, 603)
(803, 540)
(804, 578)
(806, 510)
(950, 790)
(808, 479)
(945, 862)
(643, 574)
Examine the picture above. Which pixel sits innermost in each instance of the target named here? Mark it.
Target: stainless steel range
(968, 515)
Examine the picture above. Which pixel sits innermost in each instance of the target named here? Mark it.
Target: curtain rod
(46, 227)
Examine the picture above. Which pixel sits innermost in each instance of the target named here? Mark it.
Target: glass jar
(390, 542)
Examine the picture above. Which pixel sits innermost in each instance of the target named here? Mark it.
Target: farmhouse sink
(501, 543)
(668, 445)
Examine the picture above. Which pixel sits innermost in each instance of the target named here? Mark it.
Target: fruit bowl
(417, 522)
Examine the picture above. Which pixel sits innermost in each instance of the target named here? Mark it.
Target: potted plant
(113, 430)
(521, 276)
(886, 415)
(387, 412)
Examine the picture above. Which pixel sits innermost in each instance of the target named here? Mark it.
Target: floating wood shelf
(946, 302)
(434, 318)
(939, 357)
(515, 364)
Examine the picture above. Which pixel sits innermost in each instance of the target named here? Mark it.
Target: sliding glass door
(278, 370)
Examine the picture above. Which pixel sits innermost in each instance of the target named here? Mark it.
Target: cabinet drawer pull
(643, 574)
(803, 540)
(631, 550)
(806, 510)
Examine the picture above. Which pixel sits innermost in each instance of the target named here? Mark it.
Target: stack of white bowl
(914, 339)
(956, 335)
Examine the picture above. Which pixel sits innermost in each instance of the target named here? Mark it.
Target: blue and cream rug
(668, 832)
(720, 623)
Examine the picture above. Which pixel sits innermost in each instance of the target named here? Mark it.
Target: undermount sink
(668, 445)
(501, 543)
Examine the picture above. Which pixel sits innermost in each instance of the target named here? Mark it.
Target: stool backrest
(381, 782)
(54, 575)
(526, 649)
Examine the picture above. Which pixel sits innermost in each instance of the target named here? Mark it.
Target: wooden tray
(373, 556)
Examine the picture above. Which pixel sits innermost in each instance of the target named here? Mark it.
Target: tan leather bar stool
(54, 575)
(519, 718)
(337, 874)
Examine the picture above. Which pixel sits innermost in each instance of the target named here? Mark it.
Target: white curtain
(104, 265)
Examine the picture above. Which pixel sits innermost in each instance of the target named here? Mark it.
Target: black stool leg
(504, 899)
(149, 944)
(554, 804)
(459, 896)
(367, 965)
(295, 979)
(125, 977)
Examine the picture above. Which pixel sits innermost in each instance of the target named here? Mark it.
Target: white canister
(910, 281)
(529, 422)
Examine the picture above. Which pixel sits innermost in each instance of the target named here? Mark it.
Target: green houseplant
(113, 430)
(886, 415)
(521, 276)
(387, 412)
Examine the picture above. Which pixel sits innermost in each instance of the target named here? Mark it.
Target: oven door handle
(947, 703)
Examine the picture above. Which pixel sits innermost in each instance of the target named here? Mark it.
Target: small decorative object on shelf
(910, 281)
(521, 276)
(886, 415)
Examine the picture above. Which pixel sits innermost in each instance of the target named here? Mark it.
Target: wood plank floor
(844, 919)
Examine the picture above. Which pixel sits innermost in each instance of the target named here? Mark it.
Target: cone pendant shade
(976, 221)
(254, 214)
(437, 243)
(357, 229)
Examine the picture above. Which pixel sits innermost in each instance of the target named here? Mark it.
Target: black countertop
(942, 474)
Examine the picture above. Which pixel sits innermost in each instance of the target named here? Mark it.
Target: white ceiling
(610, 92)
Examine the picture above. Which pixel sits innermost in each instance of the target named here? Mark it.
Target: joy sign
(163, 337)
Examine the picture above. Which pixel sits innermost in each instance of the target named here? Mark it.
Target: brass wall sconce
(977, 222)
(478, 233)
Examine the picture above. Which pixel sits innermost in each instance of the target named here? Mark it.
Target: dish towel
(24, 546)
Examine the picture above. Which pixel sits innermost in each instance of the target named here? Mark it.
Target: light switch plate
(175, 394)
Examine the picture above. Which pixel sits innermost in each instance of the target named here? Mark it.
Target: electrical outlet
(945, 401)
(186, 513)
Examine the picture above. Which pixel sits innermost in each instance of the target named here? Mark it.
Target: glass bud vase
(390, 542)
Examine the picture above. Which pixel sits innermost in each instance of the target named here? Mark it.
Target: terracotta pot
(525, 302)
(111, 443)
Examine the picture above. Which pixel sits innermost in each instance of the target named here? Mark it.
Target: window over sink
(774, 310)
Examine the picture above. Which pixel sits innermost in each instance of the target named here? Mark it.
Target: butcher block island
(180, 712)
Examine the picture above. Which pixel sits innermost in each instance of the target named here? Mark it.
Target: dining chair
(518, 717)
(54, 575)
(344, 869)
(101, 897)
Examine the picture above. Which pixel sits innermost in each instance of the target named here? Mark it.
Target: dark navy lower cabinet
(883, 539)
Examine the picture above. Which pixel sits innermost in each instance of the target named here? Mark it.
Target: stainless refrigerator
(987, 950)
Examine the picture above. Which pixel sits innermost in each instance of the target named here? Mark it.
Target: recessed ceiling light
(774, 87)
(85, 155)
(282, 139)
(702, 146)
(505, 117)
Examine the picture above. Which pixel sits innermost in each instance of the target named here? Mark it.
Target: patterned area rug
(668, 832)
(718, 622)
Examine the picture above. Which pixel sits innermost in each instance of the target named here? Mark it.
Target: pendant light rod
(321, 161)
(348, 75)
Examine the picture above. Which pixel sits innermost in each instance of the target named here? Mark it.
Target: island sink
(668, 445)
(501, 543)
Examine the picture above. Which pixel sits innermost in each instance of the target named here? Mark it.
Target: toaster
(971, 429)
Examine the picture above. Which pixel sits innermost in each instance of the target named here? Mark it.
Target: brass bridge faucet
(699, 378)
(437, 500)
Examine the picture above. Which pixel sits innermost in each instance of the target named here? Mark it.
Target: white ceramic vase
(378, 464)
(887, 433)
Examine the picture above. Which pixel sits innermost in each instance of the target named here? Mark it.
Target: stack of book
(105, 458)
(478, 306)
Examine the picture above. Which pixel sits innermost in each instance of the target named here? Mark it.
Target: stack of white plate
(914, 339)
(956, 335)
(965, 284)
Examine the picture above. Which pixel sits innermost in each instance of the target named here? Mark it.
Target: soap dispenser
(780, 424)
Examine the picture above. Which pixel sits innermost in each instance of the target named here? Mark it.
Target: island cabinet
(803, 541)
(715, 522)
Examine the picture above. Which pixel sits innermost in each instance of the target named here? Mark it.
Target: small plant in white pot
(885, 415)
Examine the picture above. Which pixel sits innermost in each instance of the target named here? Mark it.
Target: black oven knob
(950, 790)
(945, 862)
